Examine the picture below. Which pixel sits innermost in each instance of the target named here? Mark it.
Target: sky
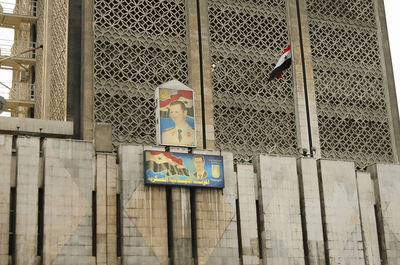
(392, 8)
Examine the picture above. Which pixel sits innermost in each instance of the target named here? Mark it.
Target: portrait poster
(170, 168)
(176, 123)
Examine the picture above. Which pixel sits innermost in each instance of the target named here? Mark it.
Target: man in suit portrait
(181, 133)
(198, 162)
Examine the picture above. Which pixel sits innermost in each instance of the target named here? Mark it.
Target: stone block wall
(282, 210)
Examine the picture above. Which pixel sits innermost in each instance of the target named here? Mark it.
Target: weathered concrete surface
(68, 199)
(106, 219)
(311, 210)
(27, 200)
(366, 199)
(216, 226)
(248, 214)
(341, 212)
(35, 126)
(282, 240)
(5, 176)
(387, 196)
(144, 212)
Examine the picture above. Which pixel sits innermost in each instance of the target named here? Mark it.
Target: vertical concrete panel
(368, 221)
(111, 210)
(5, 176)
(217, 241)
(181, 226)
(101, 209)
(341, 212)
(67, 202)
(387, 196)
(248, 214)
(181, 222)
(311, 211)
(27, 200)
(282, 240)
(144, 214)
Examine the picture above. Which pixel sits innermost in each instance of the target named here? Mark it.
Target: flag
(282, 64)
(186, 96)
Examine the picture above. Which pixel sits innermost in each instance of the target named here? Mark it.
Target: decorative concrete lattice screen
(351, 105)
(58, 68)
(137, 46)
(251, 116)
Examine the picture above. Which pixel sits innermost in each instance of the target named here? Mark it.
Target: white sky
(391, 8)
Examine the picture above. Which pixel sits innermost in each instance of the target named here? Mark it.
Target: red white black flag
(282, 64)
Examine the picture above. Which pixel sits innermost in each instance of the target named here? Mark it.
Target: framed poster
(176, 123)
(169, 168)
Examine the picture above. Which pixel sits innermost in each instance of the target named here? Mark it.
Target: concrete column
(181, 222)
(208, 104)
(144, 214)
(194, 66)
(68, 183)
(282, 240)
(27, 200)
(181, 226)
(111, 210)
(101, 209)
(106, 203)
(5, 177)
(87, 70)
(248, 214)
(387, 197)
(302, 68)
(366, 198)
(341, 215)
(216, 225)
(388, 78)
(311, 211)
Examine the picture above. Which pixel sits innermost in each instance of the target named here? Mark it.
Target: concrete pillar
(302, 68)
(282, 240)
(387, 197)
(5, 176)
(311, 211)
(340, 212)
(111, 210)
(27, 200)
(68, 184)
(144, 214)
(106, 225)
(366, 199)
(101, 209)
(181, 226)
(181, 222)
(216, 226)
(208, 105)
(248, 214)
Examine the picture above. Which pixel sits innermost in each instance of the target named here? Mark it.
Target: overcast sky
(392, 8)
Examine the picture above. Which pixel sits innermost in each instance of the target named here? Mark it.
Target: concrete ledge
(36, 127)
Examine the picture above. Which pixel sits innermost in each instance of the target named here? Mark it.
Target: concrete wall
(340, 212)
(387, 198)
(282, 239)
(309, 210)
(5, 172)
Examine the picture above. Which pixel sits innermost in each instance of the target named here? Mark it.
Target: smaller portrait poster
(176, 117)
(169, 168)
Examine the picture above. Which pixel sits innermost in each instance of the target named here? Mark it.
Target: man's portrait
(199, 163)
(176, 118)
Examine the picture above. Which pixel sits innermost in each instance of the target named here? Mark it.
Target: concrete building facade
(311, 160)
